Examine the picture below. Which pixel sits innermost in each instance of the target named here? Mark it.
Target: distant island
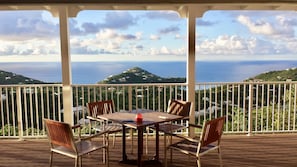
(139, 75)
(289, 74)
(9, 78)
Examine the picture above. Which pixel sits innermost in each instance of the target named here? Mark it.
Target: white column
(191, 64)
(66, 65)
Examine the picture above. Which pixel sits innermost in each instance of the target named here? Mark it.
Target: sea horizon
(93, 72)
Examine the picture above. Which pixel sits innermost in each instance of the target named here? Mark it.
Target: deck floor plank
(278, 150)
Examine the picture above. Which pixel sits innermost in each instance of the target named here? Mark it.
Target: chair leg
(51, 159)
(131, 138)
(107, 156)
(198, 161)
(104, 142)
(76, 161)
(170, 142)
(165, 151)
(146, 141)
(220, 157)
(113, 140)
(90, 128)
(107, 153)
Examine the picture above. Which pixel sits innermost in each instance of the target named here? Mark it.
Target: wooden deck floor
(279, 150)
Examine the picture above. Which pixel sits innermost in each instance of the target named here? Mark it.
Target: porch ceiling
(131, 4)
(198, 7)
(13, 2)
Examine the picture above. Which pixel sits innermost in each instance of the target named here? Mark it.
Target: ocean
(90, 73)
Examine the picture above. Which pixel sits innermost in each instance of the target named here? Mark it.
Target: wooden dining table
(150, 118)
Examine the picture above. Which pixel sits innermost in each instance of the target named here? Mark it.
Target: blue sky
(33, 36)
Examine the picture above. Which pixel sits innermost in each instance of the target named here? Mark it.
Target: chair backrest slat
(179, 107)
(100, 107)
(212, 131)
(108, 106)
(60, 134)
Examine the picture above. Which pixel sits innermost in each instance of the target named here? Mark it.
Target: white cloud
(138, 35)
(179, 36)
(29, 47)
(167, 52)
(259, 27)
(155, 37)
(24, 25)
(233, 44)
(36, 33)
(106, 34)
(278, 29)
(164, 50)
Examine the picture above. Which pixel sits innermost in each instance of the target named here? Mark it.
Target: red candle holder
(138, 118)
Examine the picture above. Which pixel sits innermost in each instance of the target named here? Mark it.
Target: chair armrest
(94, 119)
(79, 129)
(96, 135)
(195, 126)
(76, 126)
(186, 118)
(186, 138)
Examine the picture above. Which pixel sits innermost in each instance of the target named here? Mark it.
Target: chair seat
(190, 147)
(83, 147)
(171, 128)
(112, 127)
(209, 140)
(62, 141)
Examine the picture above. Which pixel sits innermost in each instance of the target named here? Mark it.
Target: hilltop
(139, 75)
(282, 75)
(9, 78)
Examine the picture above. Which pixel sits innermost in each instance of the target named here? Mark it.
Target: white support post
(191, 64)
(66, 65)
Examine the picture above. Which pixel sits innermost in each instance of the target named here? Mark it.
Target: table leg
(124, 155)
(157, 142)
(140, 146)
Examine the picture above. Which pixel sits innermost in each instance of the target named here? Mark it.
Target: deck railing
(251, 107)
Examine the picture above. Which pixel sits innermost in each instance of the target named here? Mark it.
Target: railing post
(130, 98)
(250, 113)
(19, 113)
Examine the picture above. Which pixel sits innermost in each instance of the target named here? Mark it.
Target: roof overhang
(74, 6)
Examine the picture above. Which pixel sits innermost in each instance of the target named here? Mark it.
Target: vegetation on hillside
(9, 78)
(139, 75)
(282, 75)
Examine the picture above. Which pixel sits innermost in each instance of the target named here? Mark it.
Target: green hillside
(282, 75)
(139, 75)
(9, 78)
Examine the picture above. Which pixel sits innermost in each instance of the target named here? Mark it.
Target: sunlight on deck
(278, 150)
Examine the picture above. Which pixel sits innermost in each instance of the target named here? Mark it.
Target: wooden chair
(176, 107)
(62, 141)
(99, 108)
(104, 107)
(210, 140)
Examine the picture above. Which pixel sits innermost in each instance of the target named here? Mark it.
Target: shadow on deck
(278, 150)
